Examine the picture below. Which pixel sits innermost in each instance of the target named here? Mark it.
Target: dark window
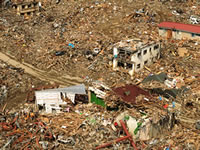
(193, 34)
(146, 62)
(150, 49)
(197, 34)
(121, 51)
(129, 66)
(128, 53)
(156, 47)
(145, 51)
(139, 54)
(138, 66)
(23, 6)
(121, 64)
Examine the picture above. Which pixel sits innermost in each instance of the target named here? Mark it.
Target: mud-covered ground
(98, 24)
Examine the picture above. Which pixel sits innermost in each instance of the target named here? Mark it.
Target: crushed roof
(77, 89)
(133, 44)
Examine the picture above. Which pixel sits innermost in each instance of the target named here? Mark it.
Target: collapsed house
(97, 93)
(51, 100)
(179, 31)
(148, 121)
(26, 8)
(134, 54)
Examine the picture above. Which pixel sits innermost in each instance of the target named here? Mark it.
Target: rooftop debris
(128, 93)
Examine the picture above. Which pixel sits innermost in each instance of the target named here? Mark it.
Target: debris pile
(90, 100)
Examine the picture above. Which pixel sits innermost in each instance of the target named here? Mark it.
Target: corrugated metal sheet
(77, 89)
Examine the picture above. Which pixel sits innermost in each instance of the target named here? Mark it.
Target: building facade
(133, 55)
(179, 31)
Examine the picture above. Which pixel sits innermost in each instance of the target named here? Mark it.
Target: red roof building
(179, 30)
(180, 26)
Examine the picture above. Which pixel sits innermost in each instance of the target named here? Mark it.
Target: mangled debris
(55, 39)
(97, 93)
(26, 8)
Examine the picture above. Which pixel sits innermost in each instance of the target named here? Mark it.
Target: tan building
(179, 31)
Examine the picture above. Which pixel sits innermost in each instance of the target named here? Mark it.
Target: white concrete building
(134, 54)
(51, 99)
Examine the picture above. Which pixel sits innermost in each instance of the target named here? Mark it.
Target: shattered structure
(27, 8)
(134, 54)
(52, 99)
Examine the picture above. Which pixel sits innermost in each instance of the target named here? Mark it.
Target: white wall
(48, 98)
(148, 54)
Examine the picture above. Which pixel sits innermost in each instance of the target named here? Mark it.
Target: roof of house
(77, 89)
(134, 44)
(180, 26)
(129, 92)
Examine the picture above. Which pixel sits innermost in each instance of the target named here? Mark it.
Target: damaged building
(26, 8)
(51, 100)
(134, 54)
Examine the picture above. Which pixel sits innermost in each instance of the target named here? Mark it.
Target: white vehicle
(194, 19)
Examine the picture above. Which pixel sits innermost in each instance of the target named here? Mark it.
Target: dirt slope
(40, 74)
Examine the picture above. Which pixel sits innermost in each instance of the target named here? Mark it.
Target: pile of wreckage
(146, 114)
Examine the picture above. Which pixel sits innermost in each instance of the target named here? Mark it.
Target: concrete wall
(146, 56)
(141, 57)
(179, 35)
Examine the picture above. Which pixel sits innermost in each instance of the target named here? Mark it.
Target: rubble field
(63, 50)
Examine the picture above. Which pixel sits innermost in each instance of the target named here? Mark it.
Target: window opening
(156, 47)
(145, 51)
(138, 66)
(139, 54)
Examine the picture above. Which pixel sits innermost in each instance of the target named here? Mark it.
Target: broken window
(121, 51)
(138, 66)
(145, 51)
(146, 62)
(156, 47)
(128, 53)
(129, 66)
(120, 64)
(139, 54)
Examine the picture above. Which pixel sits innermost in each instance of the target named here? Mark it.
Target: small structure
(134, 54)
(27, 8)
(52, 99)
(97, 93)
(179, 31)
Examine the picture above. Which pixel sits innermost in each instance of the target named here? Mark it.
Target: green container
(97, 100)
